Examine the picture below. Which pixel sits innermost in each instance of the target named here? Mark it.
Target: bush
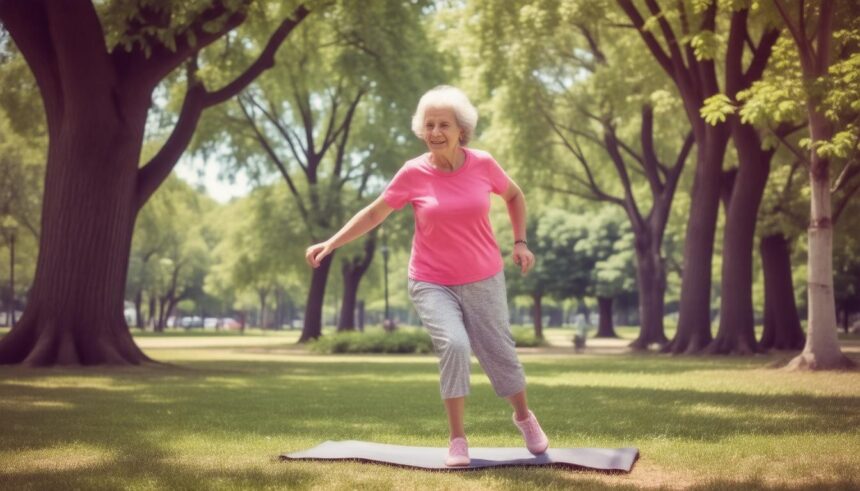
(403, 340)
(524, 337)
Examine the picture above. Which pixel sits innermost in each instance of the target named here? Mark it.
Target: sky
(197, 172)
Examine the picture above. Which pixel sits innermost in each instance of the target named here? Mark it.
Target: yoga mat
(605, 459)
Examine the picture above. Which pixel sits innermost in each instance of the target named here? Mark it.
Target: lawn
(224, 407)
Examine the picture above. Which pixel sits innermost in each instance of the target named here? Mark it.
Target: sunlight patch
(55, 459)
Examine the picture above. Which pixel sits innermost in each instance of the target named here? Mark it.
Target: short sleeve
(398, 191)
(499, 180)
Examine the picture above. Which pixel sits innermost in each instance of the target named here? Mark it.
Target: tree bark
(346, 321)
(538, 314)
(651, 283)
(312, 328)
(782, 329)
(694, 322)
(353, 271)
(75, 313)
(605, 328)
(736, 333)
(821, 351)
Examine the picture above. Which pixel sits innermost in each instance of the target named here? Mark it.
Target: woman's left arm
(516, 201)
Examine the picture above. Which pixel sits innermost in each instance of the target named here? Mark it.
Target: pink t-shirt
(453, 242)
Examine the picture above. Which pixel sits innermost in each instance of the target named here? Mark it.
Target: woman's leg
(520, 405)
(485, 315)
(456, 408)
(439, 309)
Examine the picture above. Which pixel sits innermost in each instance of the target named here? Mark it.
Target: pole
(12, 281)
(386, 323)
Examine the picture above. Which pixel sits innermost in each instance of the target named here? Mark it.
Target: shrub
(524, 337)
(403, 340)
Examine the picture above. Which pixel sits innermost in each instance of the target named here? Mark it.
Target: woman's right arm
(363, 221)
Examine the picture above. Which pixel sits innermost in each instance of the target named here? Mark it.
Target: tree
(568, 92)
(736, 332)
(97, 68)
(614, 275)
(536, 283)
(814, 51)
(358, 65)
(689, 58)
(778, 225)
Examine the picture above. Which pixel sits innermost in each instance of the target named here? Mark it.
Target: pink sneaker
(458, 453)
(536, 440)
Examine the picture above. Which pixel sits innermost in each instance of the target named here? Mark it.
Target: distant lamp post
(387, 324)
(10, 227)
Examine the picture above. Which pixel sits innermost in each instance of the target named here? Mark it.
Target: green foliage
(524, 337)
(402, 340)
(22, 168)
(171, 245)
(577, 256)
(717, 108)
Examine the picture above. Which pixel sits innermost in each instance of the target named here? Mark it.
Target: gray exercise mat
(605, 459)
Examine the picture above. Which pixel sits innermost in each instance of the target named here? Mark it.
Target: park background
(690, 169)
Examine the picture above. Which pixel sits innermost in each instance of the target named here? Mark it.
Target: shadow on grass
(136, 414)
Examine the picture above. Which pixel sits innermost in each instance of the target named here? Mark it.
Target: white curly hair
(448, 97)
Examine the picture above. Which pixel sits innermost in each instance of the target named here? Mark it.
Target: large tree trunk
(781, 323)
(605, 328)
(316, 295)
(736, 333)
(694, 322)
(538, 314)
(651, 283)
(75, 311)
(822, 351)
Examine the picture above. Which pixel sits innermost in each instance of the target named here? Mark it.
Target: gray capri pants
(466, 318)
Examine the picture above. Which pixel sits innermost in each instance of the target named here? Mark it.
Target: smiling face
(441, 131)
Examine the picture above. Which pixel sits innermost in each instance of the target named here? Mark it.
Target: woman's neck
(448, 161)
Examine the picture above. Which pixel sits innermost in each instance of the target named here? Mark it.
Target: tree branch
(650, 160)
(285, 132)
(196, 100)
(653, 45)
(799, 37)
(761, 55)
(273, 156)
(27, 23)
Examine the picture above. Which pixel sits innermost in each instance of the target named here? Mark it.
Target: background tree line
(697, 218)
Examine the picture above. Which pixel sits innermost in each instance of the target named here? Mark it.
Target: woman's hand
(523, 257)
(317, 252)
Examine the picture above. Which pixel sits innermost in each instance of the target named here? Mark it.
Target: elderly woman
(456, 278)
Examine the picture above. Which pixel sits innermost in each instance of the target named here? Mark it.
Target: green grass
(219, 414)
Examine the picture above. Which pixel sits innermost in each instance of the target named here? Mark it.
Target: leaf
(717, 108)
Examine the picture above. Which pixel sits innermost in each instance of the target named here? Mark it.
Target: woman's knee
(457, 348)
